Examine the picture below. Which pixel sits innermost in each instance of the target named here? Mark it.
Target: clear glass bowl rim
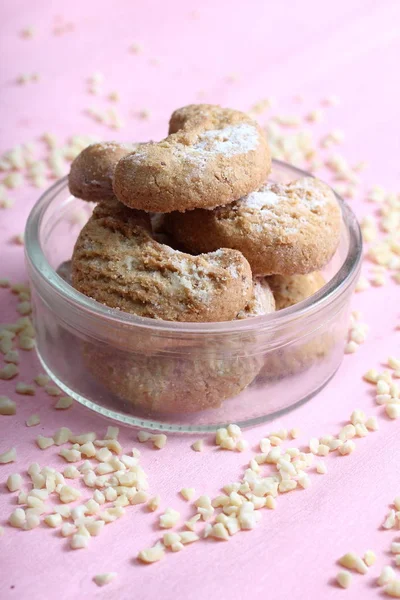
(335, 288)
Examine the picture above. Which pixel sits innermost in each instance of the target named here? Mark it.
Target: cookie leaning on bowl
(117, 262)
(211, 156)
(281, 228)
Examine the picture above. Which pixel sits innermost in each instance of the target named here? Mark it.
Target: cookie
(281, 228)
(163, 384)
(262, 301)
(90, 177)
(291, 289)
(117, 262)
(212, 156)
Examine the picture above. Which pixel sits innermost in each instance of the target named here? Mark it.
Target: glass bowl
(187, 377)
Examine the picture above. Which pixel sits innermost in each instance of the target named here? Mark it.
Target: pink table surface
(349, 48)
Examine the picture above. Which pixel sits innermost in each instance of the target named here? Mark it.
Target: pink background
(350, 48)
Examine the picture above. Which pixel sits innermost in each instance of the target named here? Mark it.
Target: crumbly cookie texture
(262, 301)
(281, 228)
(212, 156)
(291, 289)
(117, 262)
(91, 173)
(171, 384)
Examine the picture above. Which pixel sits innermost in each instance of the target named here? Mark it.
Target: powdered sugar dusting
(261, 200)
(229, 141)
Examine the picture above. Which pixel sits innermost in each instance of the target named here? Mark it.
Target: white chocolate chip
(387, 574)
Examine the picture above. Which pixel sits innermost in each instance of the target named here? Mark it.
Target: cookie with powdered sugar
(211, 157)
(281, 229)
(91, 173)
(117, 262)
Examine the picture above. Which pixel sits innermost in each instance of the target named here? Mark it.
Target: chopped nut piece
(69, 494)
(14, 482)
(8, 456)
(7, 407)
(79, 541)
(25, 389)
(33, 420)
(42, 380)
(17, 518)
(198, 446)
(169, 519)
(151, 555)
(393, 410)
(112, 433)
(52, 390)
(387, 575)
(321, 468)
(104, 578)
(393, 588)
(369, 558)
(63, 403)
(187, 493)
(54, 520)
(44, 442)
(159, 440)
(344, 579)
(143, 436)
(219, 532)
(9, 371)
(354, 562)
(153, 503)
(347, 448)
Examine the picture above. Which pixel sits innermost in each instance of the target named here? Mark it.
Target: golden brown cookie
(118, 263)
(90, 177)
(168, 384)
(212, 156)
(280, 229)
(291, 289)
(262, 301)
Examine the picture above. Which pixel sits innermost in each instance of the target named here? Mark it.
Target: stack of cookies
(190, 228)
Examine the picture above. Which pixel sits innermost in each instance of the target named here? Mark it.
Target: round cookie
(281, 228)
(291, 289)
(91, 173)
(212, 156)
(165, 384)
(262, 301)
(117, 262)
